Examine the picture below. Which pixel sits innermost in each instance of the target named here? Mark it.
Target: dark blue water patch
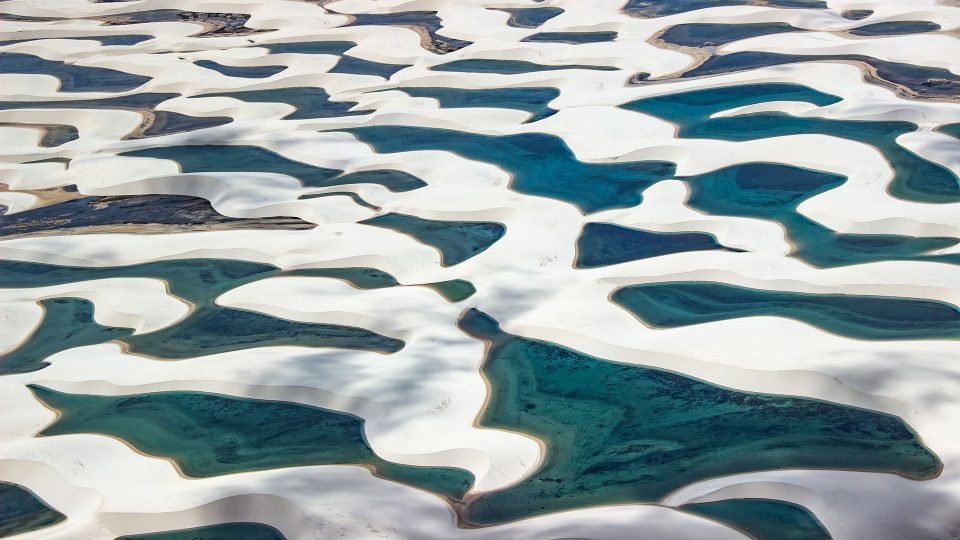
(773, 192)
(249, 72)
(125, 40)
(55, 135)
(358, 66)
(856, 14)
(915, 179)
(532, 100)
(221, 24)
(574, 38)
(210, 328)
(529, 17)
(603, 244)
(105, 40)
(310, 47)
(716, 34)
(242, 158)
(348, 64)
(428, 21)
(212, 434)
(73, 78)
(222, 531)
(950, 129)
(895, 28)
(22, 511)
(144, 101)
(539, 164)
(622, 433)
(166, 123)
(309, 101)
(915, 80)
(682, 303)
(508, 67)
(457, 241)
(66, 323)
(179, 212)
(660, 8)
(763, 519)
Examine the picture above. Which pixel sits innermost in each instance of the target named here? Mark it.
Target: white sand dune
(421, 404)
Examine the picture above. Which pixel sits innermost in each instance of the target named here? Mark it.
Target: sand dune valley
(480, 269)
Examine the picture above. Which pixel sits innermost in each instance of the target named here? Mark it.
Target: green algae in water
(680, 303)
(223, 531)
(915, 178)
(618, 433)
(539, 164)
(66, 323)
(573, 38)
(763, 519)
(457, 241)
(773, 192)
(455, 290)
(22, 511)
(532, 100)
(210, 328)
(603, 244)
(212, 434)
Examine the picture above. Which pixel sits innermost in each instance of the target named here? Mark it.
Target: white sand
(420, 404)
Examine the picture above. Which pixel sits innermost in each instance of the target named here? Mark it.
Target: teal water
(716, 34)
(250, 72)
(310, 102)
(238, 158)
(56, 135)
(212, 434)
(73, 78)
(146, 100)
(66, 323)
(574, 38)
(915, 179)
(210, 328)
(618, 433)
(540, 164)
(457, 241)
(950, 129)
(223, 531)
(532, 100)
(22, 511)
(508, 67)
(895, 28)
(309, 47)
(773, 192)
(603, 244)
(681, 303)
(530, 17)
(763, 519)
(165, 123)
(454, 290)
